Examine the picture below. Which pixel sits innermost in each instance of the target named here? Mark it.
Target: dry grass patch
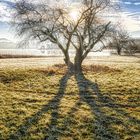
(45, 103)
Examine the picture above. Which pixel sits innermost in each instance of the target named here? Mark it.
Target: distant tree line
(121, 41)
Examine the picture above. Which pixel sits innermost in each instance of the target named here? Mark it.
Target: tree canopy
(80, 25)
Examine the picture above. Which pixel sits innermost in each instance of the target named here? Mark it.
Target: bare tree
(131, 48)
(121, 40)
(80, 26)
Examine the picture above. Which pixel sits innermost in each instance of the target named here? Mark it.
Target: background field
(39, 101)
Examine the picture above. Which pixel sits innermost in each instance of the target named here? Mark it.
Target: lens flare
(74, 14)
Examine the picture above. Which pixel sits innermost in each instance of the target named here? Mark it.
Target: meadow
(40, 101)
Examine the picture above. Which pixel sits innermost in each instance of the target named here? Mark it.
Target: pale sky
(130, 17)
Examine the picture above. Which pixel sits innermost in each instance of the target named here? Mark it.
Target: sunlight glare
(74, 14)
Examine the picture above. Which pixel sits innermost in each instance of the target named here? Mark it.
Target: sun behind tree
(80, 28)
(74, 14)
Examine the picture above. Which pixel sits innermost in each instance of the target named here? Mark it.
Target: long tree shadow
(103, 121)
(52, 105)
(102, 130)
(90, 94)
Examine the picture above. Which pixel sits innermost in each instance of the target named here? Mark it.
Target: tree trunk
(69, 64)
(75, 67)
(78, 62)
(119, 51)
(78, 67)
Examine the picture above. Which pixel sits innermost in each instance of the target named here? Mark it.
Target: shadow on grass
(103, 121)
(51, 105)
(110, 121)
(102, 127)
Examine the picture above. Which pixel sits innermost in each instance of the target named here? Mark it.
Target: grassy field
(43, 102)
